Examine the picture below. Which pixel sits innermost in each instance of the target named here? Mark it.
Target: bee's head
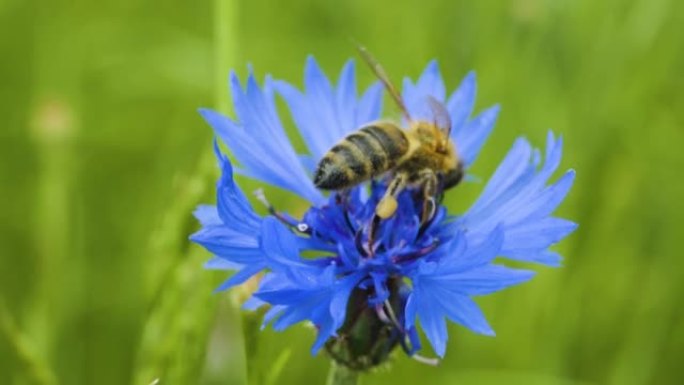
(431, 136)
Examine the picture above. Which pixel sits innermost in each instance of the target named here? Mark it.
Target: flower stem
(341, 375)
(225, 49)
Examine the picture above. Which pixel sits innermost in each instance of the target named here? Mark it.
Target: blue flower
(365, 304)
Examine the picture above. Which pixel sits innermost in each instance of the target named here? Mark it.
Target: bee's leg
(429, 182)
(386, 207)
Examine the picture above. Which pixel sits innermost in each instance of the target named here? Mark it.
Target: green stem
(341, 375)
(36, 367)
(225, 49)
(54, 124)
(251, 324)
(174, 343)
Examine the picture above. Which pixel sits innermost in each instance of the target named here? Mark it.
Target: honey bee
(421, 156)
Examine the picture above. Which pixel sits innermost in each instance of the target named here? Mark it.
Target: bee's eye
(453, 177)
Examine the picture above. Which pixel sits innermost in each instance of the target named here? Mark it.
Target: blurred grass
(101, 145)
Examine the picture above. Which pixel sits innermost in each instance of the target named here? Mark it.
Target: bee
(422, 156)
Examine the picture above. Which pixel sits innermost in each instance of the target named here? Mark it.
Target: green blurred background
(103, 157)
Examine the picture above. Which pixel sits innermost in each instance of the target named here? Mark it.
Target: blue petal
(228, 244)
(461, 254)
(252, 304)
(431, 82)
(221, 264)
(258, 140)
(230, 230)
(464, 311)
(207, 215)
(442, 288)
(415, 96)
(471, 138)
(241, 276)
(539, 233)
(345, 100)
(281, 249)
(232, 205)
(323, 114)
(320, 91)
(518, 199)
(542, 202)
(325, 331)
(484, 280)
(338, 304)
(461, 102)
(414, 338)
(381, 292)
(303, 309)
(313, 110)
(319, 296)
(411, 308)
(433, 324)
(370, 105)
(480, 253)
(271, 314)
(467, 250)
(514, 166)
(297, 313)
(537, 255)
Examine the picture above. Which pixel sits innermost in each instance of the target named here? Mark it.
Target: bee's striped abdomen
(390, 138)
(368, 152)
(373, 151)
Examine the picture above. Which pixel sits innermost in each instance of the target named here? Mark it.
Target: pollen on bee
(386, 207)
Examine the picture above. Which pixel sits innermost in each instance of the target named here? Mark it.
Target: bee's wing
(382, 75)
(440, 116)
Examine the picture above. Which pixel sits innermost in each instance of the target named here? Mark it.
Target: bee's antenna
(382, 75)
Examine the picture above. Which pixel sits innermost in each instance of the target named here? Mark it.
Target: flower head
(366, 302)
